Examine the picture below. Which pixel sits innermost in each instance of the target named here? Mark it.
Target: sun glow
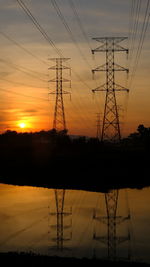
(22, 125)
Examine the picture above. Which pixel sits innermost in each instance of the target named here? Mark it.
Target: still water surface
(75, 223)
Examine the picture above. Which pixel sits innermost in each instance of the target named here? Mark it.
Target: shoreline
(31, 259)
(98, 175)
(93, 184)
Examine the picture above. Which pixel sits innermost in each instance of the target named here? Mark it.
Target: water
(74, 223)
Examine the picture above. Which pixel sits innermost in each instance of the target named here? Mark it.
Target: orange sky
(24, 71)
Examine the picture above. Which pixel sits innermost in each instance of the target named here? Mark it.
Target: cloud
(4, 74)
(6, 4)
(24, 113)
(7, 116)
(30, 110)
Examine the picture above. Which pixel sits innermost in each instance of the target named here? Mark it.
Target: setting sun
(22, 125)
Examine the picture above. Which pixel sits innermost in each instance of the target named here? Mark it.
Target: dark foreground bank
(54, 160)
(24, 260)
(100, 172)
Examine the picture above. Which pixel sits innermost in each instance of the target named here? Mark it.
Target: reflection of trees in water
(61, 226)
(112, 221)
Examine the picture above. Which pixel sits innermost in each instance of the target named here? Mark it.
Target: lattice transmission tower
(111, 123)
(60, 225)
(59, 120)
(112, 220)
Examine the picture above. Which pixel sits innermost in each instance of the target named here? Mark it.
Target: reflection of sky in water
(28, 222)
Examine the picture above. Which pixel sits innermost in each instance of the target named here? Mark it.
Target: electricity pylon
(60, 214)
(111, 220)
(59, 121)
(111, 124)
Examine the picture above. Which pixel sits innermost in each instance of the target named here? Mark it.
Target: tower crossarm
(122, 239)
(116, 87)
(120, 48)
(115, 39)
(52, 93)
(63, 239)
(118, 239)
(99, 49)
(117, 48)
(102, 219)
(62, 58)
(116, 67)
(100, 88)
(118, 219)
(105, 40)
(60, 80)
(102, 239)
(59, 68)
(63, 93)
(121, 219)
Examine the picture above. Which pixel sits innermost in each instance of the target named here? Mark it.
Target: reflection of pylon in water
(111, 239)
(60, 225)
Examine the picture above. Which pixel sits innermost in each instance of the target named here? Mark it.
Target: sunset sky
(25, 102)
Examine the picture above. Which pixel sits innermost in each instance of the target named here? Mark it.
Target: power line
(45, 35)
(39, 27)
(23, 84)
(20, 94)
(134, 20)
(20, 68)
(81, 27)
(22, 47)
(131, 18)
(135, 25)
(141, 41)
(74, 9)
(63, 20)
(84, 117)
